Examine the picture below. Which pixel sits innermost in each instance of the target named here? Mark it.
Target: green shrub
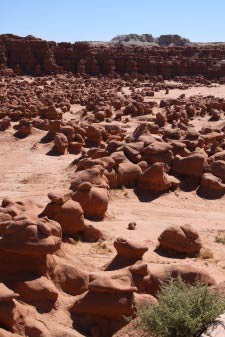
(183, 310)
(220, 239)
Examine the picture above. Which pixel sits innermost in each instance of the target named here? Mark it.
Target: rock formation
(34, 56)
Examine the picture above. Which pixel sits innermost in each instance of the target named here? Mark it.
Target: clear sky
(100, 20)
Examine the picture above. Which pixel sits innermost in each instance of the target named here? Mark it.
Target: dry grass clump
(206, 253)
(220, 238)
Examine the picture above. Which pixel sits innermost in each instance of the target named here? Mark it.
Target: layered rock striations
(33, 56)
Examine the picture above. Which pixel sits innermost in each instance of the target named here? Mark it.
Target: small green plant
(220, 238)
(183, 310)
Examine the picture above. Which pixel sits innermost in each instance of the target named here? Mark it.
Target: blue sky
(77, 20)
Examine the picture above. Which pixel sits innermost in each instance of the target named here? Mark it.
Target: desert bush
(183, 310)
(206, 253)
(220, 238)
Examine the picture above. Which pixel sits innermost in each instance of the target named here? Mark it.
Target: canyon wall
(33, 56)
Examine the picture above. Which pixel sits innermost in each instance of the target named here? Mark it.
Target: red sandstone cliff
(34, 56)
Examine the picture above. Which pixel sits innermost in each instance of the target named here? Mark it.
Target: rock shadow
(19, 135)
(172, 254)
(189, 184)
(147, 196)
(209, 195)
(119, 262)
(53, 152)
(44, 307)
(48, 138)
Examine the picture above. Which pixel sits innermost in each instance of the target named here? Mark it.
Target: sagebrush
(183, 310)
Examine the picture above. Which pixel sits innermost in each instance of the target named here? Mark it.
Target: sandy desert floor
(28, 170)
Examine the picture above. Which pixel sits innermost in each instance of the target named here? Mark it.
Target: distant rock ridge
(134, 38)
(33, 56)
(163, 40)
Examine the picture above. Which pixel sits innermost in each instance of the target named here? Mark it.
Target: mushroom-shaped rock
(74, 147)
(210, 182)
(156, 179)
(192, 165)
(188, 273)
(70, 215)
(212, 137)
(132, 154)
(93, 134)
(54, 126)
(180, 239)
(106, 162)
(24, 128)
(139, 272)
(179, 148)
(139, 268)
(129, 249)
(51, 112)
(37, 290)
(111, 176)
(58, 198)
(192, 134)
(119, 157)
(143, 165)
(71, 279)
(218, 169)
(93, 200)
(28, 237)
(4, 123)
(115, 284)
(127, 174)
(92, 234)
(158, 152)
(114, 296)
(217, 156)
(94, 176)
(68, 131)
(18, 317)
(61, 143)
(112, 306)
(157, 147)
(13, 207)
(144, 299)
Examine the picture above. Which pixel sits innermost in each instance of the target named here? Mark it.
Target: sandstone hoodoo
(155, 179)
(67, 213)
(129, 249)
(183, 239)
(112, 180)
